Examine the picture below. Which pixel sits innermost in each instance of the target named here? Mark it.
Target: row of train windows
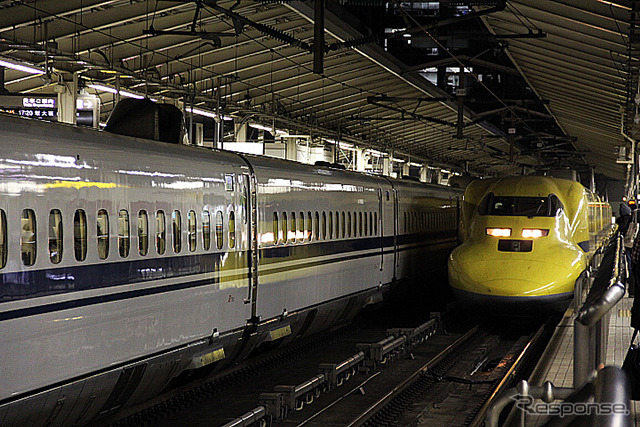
(290, 228)
(424, 221)
(28, 235)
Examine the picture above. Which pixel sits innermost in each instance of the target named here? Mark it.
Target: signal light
(534, 232)
(499, 232)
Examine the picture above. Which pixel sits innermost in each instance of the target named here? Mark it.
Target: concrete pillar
(67, 97)
(386, 166)
(424, 174)
(241, 132)
(291, 152)
(361, 163)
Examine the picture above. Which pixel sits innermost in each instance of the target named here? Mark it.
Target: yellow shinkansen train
(526, 241)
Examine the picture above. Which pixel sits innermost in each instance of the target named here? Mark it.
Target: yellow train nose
(509, 274)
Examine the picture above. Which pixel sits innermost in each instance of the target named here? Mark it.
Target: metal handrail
(592, 311)
(610, 387)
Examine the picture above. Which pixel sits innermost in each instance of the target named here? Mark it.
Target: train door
(380, 226)
(396, 230)
(250, 237)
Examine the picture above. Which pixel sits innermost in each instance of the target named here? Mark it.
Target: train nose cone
(509, 278)
(513, 274)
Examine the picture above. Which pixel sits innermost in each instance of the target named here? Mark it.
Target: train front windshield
(520, 206)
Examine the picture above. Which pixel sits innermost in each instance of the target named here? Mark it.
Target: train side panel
(68, 317)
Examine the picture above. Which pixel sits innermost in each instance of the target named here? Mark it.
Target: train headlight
(499, 232)
(534, 232)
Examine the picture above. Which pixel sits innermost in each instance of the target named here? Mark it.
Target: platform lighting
(346, 146)
(23, 68)
(376, 153)
(205, 113)
(261, 127)
(115, 91)
(417, 165)
(398, 160)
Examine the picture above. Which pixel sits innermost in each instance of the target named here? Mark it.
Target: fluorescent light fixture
(376, 153)
(261, 127)
(114, 91)
(417, 165)
(205, 113)
(281, 132)
(23, 68)
(398, 160)
(346, 146)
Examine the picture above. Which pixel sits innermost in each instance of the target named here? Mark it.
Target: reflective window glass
(80, 235)
(192, 225)
(274, 223)
(232, 229)
(161, 234)
(219, 230)
(176, 228)
(206, 230)
(3, 239)
(143, 232)
(28, 237)
(102, 221)
(55, 236)
(123, 233)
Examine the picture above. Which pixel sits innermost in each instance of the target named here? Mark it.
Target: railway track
(411, 384)
(457, 386)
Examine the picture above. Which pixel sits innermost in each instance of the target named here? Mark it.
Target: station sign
(35, 106)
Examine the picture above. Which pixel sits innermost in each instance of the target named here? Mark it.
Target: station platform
(556, 363)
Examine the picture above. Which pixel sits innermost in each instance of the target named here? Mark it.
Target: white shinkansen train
(125, 262)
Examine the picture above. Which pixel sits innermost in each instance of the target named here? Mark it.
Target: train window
(324, 225)
(348, 224)
(519, 206)
(316, 227)
(28, 237)
(143, 233)
(387, 195)
(219, 232)
(3, 239)
(330, 225)
(206, 230)
(359, 224)
(370, 224)
(291, 235)
(283, 228)
(245, 197)
(103, 233)
(375, 223)
(274, 228)
(366, 228)
(123, 233)
(555, 205)
(55, 236)
(232, 229)
(343, 225)
(300, 234)
(176, 229)
(192, 227)
(355, 224)
(80, 235)
(309, 227)
(337, 227)
(161, 235)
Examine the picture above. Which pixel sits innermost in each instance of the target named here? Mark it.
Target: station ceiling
(253, 61)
